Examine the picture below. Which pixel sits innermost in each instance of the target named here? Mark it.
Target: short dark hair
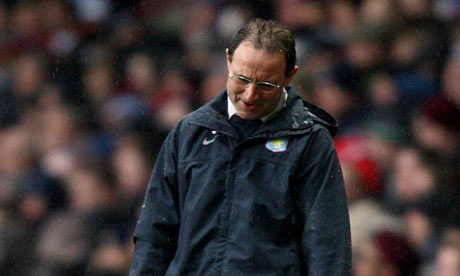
(268, 35)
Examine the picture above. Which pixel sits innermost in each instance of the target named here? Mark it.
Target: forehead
(257, 62)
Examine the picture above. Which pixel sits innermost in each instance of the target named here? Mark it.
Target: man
(249, 184)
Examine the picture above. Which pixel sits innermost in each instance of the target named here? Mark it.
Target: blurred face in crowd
(251, 100)
(433, 136)
(27, 75)
(412, 177)
(448, 261)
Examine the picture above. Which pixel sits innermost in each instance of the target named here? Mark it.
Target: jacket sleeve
(322, 208)
(156, 232)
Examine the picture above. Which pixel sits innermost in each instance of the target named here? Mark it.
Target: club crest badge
(277, 144)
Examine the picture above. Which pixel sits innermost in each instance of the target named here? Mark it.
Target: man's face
(258, 65)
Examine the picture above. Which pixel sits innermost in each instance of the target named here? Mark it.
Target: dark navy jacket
(273, 204)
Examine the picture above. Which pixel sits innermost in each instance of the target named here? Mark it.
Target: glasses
(263, 86)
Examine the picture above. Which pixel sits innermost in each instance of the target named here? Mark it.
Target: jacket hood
(299, 116)
(323, 117)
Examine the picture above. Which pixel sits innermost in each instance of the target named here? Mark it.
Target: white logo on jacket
(207, 141)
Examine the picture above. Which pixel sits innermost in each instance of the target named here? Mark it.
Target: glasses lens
(245, 82)
(265, 86)
(242, 81)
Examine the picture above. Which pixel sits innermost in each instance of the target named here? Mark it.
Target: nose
(250, 93)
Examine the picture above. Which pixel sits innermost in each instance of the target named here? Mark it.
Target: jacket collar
(297, 117)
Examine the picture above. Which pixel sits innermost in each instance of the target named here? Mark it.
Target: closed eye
(265, 86)
(243, 80)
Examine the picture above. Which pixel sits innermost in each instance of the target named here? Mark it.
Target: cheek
(271, 100)
(232, 90)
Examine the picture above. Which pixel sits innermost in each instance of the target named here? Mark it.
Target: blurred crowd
(90, 88)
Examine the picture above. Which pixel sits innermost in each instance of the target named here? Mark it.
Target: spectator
(436, 128)
(448, 255)
(386, 254)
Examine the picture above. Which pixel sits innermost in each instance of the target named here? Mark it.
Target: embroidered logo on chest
(277, 144)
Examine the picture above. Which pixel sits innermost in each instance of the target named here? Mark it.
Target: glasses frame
(249, 82)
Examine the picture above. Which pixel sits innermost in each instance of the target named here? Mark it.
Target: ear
(229, 59)
(291, 75)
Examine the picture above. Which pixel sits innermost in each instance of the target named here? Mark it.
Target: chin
(246, 116)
